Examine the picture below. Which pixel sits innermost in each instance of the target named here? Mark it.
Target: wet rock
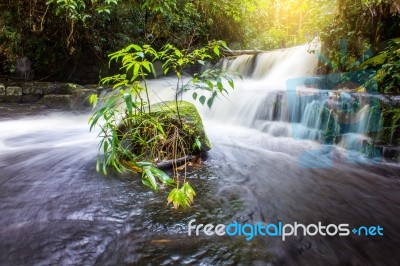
(81, 98)
(395, 101)
(57, 101)
(54, 88)
(31, 92)
(71, 88)
(391, 152)
(31, 98)
(13, 94)
(32, 88)
(382, 98)
(381, 148)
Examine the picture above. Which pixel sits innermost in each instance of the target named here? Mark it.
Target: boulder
(162, 136)
(81, 98)
(33, 88)
(57, 101)
(54, 88)
(192, 124)
(31, 98)
(13, 94)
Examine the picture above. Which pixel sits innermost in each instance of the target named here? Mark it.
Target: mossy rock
(192, 124)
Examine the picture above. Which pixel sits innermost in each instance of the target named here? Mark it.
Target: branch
(229, 52)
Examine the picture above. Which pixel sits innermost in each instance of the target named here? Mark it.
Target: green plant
(388, 76)
(133, 135)
(391, 125)
(125, 117)
(79, 11)
(118, 126)
(210, 80)
(136, 65)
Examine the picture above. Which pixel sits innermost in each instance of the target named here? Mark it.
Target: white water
(48, 131)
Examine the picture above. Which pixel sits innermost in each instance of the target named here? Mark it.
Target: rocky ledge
(65, 96)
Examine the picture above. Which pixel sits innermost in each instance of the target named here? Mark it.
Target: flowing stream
(268, 164)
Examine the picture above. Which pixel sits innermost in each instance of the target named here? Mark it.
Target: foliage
(67, 32)
(329, 126)
(177, 60)
(363, 24)
(79, 11)
(388, 75)
(182, 197)
(272, 24)
(134, 134)
(57, 35)
(391, 125)
(52, 34)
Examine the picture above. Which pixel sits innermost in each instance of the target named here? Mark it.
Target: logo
(281, 230)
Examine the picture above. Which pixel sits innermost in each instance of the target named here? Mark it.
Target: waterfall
(275, 65)
(309, 110)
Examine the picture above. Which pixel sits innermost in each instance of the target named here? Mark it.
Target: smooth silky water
(267, 164)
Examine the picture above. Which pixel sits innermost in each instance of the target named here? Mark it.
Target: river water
(56, 210)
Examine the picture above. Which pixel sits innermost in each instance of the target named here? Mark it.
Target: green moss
(192, 124)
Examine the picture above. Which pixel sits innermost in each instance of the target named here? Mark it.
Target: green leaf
(142, 164)
(210, 102)
(178, 198)
(153, 70)
(105, 147)
(220, 86)
(196, 144)
(148, 178)
(178, 53)
(231, 83)
(202, 99)
(128, 102)
(136, 69)
(93, 99)
(98, 165)
(163, 177)
(188, 191)
(134, 46)
(216, 50)
(146, 65)
(194, 95)
(210, 84)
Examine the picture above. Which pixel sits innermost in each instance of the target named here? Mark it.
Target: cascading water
(275, 66)
(265, 100)
(265, 166)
